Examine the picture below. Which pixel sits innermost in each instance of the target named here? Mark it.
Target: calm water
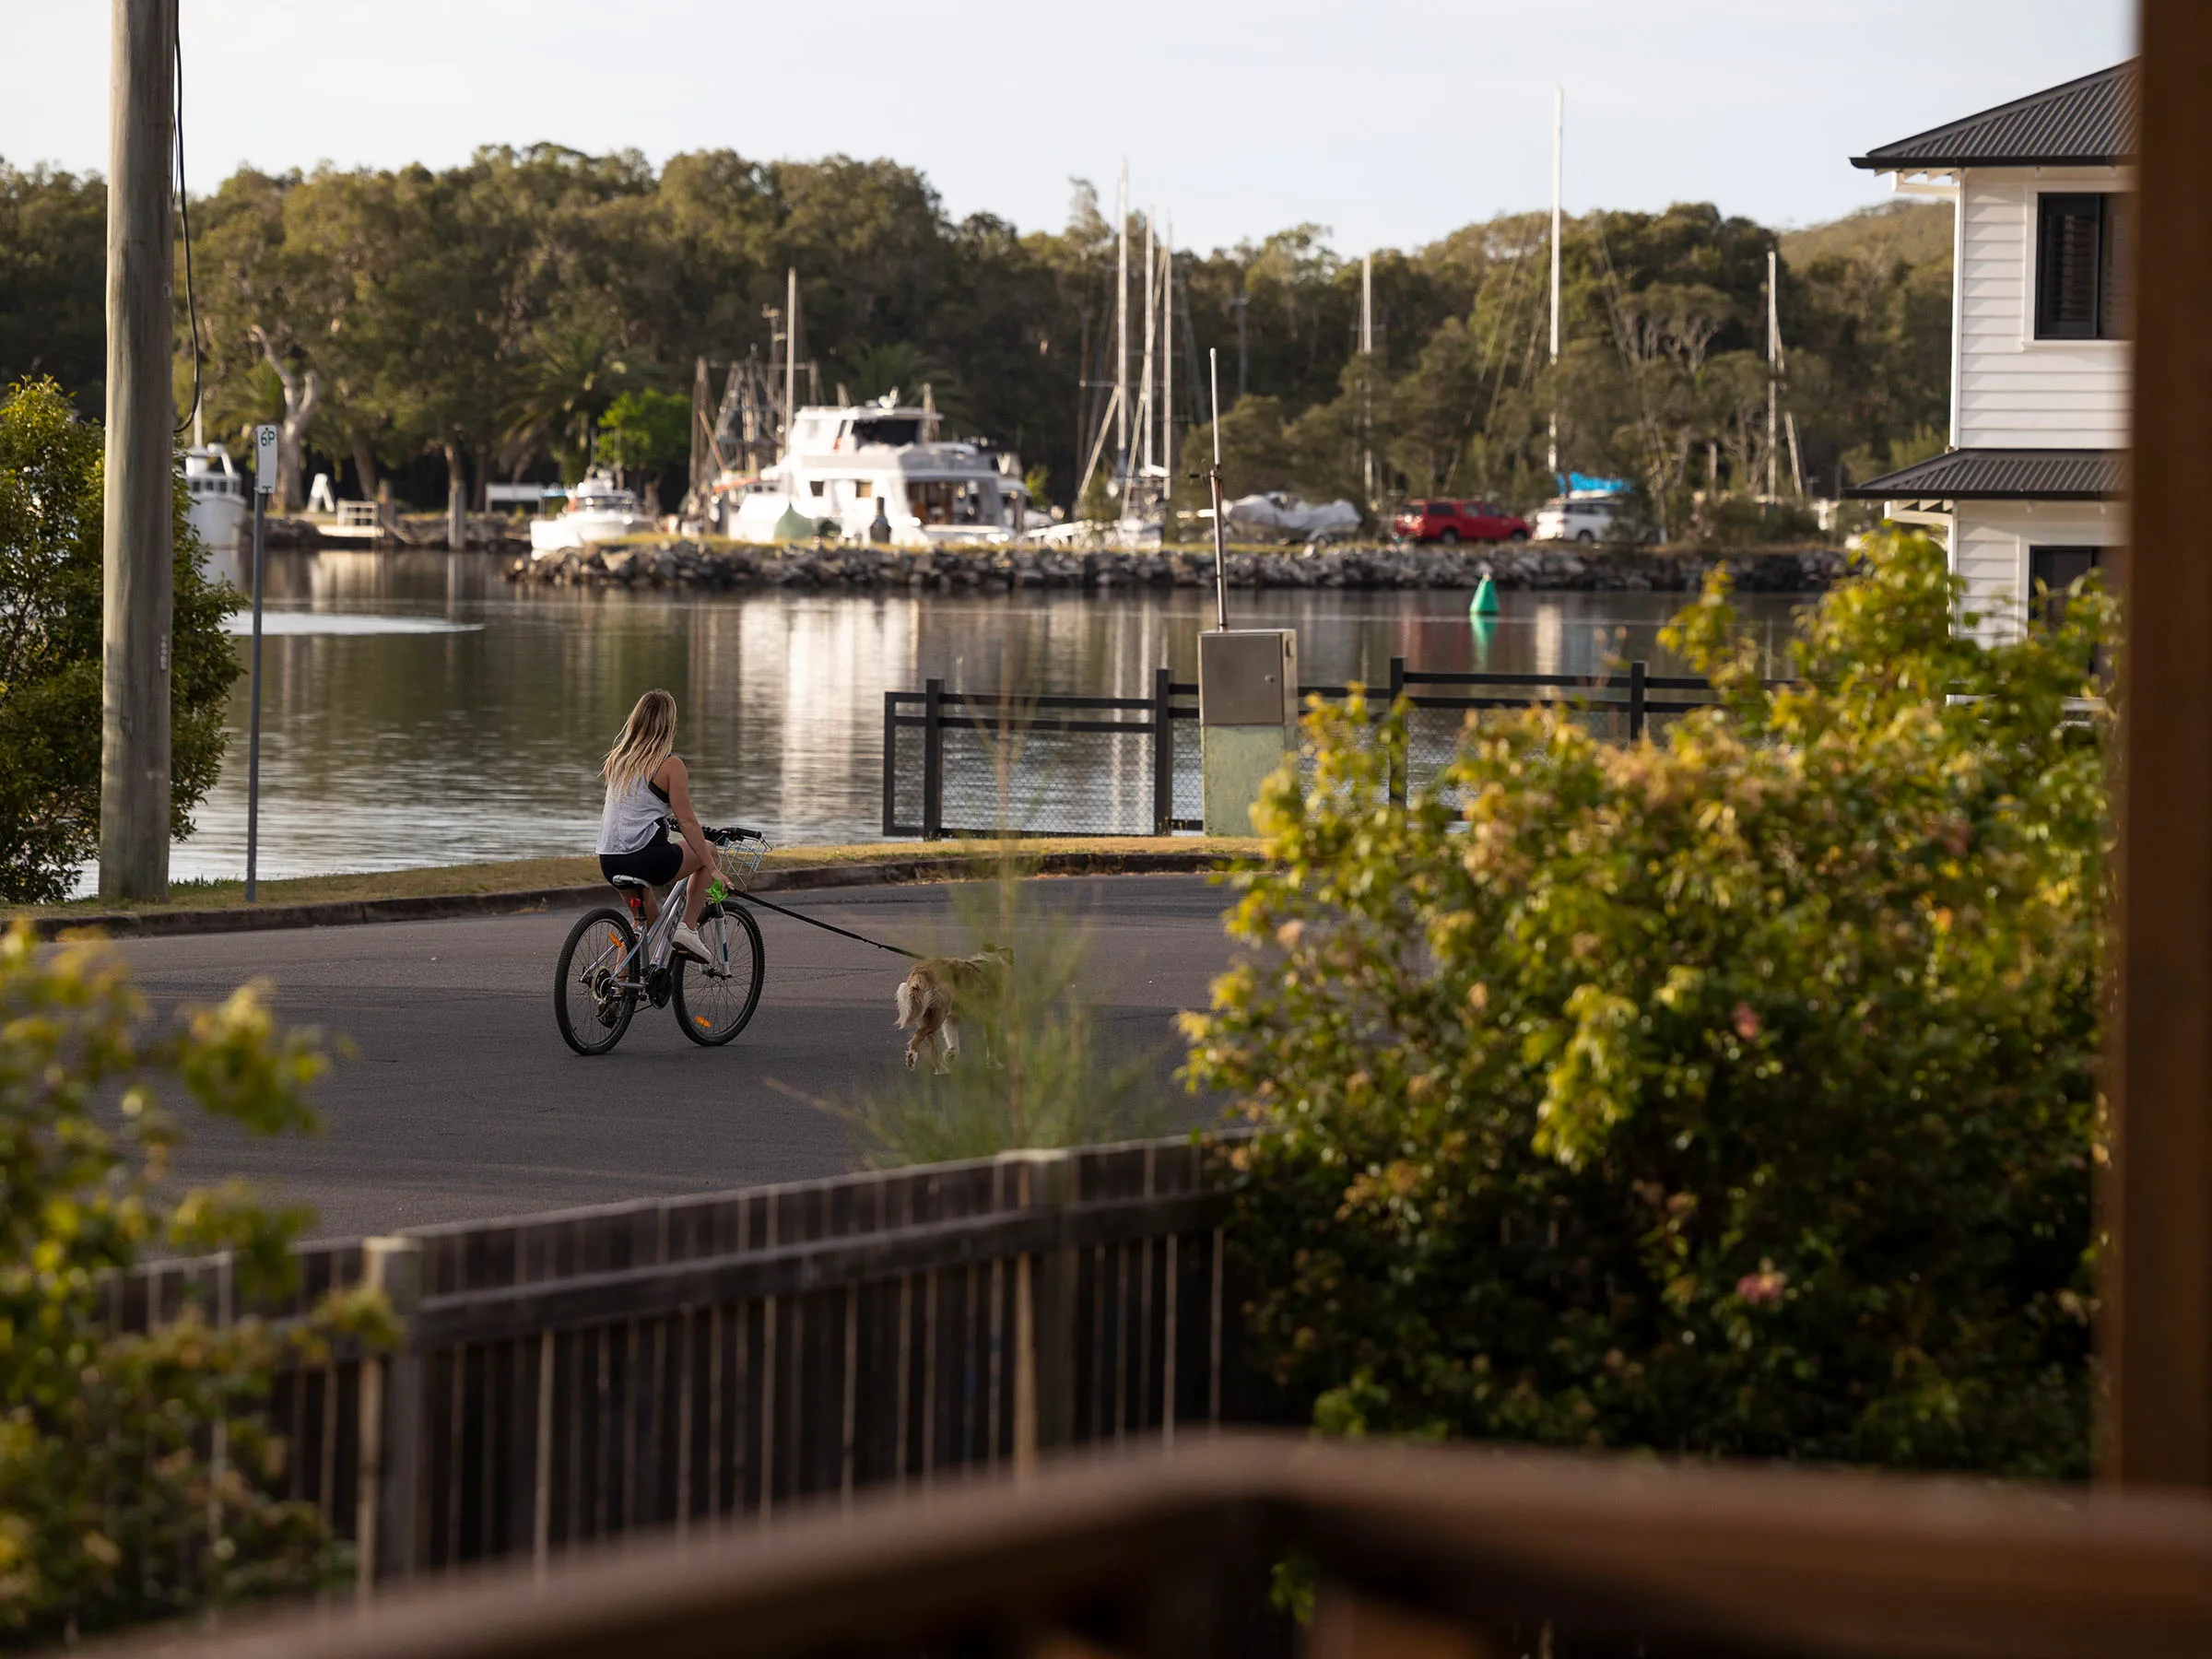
(419, 709)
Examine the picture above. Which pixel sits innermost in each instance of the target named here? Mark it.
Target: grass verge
(530, 875)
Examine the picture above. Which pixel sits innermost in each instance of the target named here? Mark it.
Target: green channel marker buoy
(1485, 603)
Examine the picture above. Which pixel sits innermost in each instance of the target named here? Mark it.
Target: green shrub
(50, 582)
(134, 1469)
(644, 429)
(1728, 1094)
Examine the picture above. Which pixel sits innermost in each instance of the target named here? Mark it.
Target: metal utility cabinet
(1247, 718)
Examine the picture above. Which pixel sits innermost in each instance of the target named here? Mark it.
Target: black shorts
(657, 861)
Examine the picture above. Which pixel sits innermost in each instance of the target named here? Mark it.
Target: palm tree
(560, 393)
(872, 371)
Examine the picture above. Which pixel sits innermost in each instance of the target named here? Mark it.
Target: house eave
(1951, 477)
(1873, 490)
(1953, 164)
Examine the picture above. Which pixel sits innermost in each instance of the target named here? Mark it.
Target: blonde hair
(648, 738)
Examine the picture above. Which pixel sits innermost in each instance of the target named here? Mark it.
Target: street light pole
(264, 481)
(137, 549)
(1213, 372)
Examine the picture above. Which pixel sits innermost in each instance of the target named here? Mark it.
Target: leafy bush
(132, 1466)
(50, 578)
(1727, 1094)
(644, 429)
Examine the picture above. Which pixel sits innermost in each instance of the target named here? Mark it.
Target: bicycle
(612, 960)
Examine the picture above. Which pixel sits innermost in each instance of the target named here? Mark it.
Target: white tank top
(627, 821)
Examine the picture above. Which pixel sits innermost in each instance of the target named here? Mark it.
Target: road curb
(432, 907)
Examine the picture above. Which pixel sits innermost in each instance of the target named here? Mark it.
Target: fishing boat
(598, 510)
(876, 472)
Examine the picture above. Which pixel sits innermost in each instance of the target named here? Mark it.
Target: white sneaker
(685, 939)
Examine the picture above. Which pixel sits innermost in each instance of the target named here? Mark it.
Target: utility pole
(1773, 379)
(1558, 133)
(136, 551)
(1121, 332)
(1367, 351)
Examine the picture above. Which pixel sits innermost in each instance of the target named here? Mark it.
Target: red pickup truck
(1455, 521)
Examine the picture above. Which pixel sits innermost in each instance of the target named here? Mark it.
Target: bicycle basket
(740, 861)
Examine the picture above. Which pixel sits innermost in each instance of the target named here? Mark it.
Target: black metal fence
(700, 1363)
(976, 763)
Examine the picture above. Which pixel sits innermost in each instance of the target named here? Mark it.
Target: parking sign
(264, 460)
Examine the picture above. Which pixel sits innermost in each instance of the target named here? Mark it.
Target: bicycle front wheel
(715, 999)
(589, 1004)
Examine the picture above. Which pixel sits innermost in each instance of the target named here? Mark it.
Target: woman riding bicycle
(647, 785)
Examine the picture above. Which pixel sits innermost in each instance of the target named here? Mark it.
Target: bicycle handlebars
(734, 832)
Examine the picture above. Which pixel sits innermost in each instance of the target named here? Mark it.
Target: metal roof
(2004, 474)
(2092, 121)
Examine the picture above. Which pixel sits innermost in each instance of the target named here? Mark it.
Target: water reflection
(388, 743)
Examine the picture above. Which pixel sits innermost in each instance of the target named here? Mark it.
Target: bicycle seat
(638, 882)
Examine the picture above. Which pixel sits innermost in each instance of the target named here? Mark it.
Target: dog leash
(826, 927)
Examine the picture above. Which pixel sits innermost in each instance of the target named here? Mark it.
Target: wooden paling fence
(700, 1363)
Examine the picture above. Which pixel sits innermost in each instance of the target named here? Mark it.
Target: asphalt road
(461, 1102)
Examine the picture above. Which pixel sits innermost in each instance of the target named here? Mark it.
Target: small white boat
(220, 506)
(598, 511)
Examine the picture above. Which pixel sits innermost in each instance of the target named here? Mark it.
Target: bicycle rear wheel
(591, 1013)
(715, 1000)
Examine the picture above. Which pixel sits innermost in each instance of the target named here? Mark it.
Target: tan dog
(941, 991)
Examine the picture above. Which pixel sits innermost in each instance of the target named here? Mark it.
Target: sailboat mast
(791, 350)
(1559, 127)
(1773, 376)
(1367, 350)
(1120, 329)
(1143, 396)
(1167, 364)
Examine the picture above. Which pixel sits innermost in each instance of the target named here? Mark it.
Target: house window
(2082, 265)
(2052, 571)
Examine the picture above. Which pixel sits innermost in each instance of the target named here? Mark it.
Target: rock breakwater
(686, 564)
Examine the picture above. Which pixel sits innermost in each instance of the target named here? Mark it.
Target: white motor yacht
(598, 511)
(877, 472)
(220, 506)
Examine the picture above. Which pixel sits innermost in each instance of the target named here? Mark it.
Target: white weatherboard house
(2028, 496)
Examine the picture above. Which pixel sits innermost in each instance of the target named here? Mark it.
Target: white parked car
(1578, 519)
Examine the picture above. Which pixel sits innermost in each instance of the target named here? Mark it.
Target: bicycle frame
(652, 939)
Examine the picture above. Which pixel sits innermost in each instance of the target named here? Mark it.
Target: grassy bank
(532, 875)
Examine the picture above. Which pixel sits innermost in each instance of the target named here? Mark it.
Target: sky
(1389, 122)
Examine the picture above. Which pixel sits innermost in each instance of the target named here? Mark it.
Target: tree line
(494, 319)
